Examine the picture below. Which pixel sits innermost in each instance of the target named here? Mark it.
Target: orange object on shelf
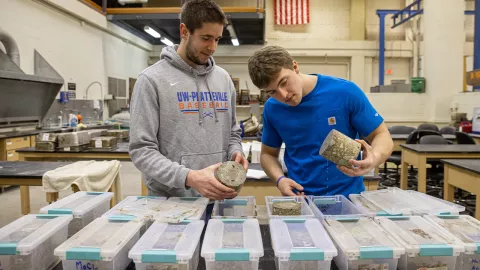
(79, 116)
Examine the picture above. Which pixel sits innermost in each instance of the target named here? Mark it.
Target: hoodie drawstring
(200, 112)
(211, 98)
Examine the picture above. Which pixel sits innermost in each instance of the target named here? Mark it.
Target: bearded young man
(183, 122)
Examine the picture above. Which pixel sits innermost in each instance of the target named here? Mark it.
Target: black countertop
(405, 136)
(442, 148)
(472, 165)
(30, 169)
(6, 135)
(122, 148)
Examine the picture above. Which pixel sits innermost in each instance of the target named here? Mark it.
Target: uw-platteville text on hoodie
(182, 118)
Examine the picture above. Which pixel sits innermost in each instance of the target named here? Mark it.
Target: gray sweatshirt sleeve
(235, 144)
(144, 143)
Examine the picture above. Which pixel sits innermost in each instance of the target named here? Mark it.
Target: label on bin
(373, 266)
(98, 144)
(45, 137)
(66, 149)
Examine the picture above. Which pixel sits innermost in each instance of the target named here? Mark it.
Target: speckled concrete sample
(339, 148)
(231, 174)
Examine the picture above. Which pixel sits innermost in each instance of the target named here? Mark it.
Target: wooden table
(418, 154)
(266, 187)
(399, 139)
(120, 153)
(27, 174)
(464, 174)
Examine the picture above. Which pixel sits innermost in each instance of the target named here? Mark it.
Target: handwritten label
(10, 154)
(80, 265)
(45, 137)
(98, 144)
(9, 143)
(66, 149)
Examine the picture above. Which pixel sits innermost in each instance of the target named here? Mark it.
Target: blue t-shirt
(334, 103)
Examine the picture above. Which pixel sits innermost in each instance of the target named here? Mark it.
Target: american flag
(292, 12)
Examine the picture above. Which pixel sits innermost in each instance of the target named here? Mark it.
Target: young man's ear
(184, 31)
(295, 67)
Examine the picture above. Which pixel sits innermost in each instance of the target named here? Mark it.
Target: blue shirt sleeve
(270, 136)
(363, 116)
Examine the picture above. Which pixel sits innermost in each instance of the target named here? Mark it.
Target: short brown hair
(265, 65)
(197, 12)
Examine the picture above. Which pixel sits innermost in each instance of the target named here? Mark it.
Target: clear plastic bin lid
(239, 207)
(198, 203)
(28, 232)
(232, 240)
(465, 228)
(301, 240)
(362, 238)
(420, 237)
(396, 201)
(333, 206)
(168, 243)
(140, 206)
(367, 207)
(78, 203)
(102, 239)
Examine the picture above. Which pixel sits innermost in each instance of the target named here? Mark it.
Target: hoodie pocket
(198, 161)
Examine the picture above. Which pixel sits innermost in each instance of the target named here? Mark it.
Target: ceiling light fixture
(166, 41)
(152, 32)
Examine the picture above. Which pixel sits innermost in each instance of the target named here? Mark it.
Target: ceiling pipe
(11, 48)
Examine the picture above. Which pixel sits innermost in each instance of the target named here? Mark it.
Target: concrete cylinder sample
(286, 208)
(339, 148)
(231, 174)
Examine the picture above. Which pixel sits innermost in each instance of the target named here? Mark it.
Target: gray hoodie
(182, 118)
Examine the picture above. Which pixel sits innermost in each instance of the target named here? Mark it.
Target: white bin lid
(420, 237)
(306, 212)
(101, 240)
(465, 228)
(78, 203)
(168, 243)
(396, 201)
(362, 238)
(301, 240)
(28, 232)
(232, 240)
(366, 207)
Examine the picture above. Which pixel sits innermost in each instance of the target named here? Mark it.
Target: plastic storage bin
(232, 244)
(467, 230)
(169, 246)
(396, 201)
(301, 244)
(240, 207)
(198, 205)
(102, 244)
(362, 244)
(426, 244)
(28, 242)
(84, 206)
(306, 212)
(333, 206)
(366, 207)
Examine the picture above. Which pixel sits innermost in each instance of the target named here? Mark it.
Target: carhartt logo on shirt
(332, 121)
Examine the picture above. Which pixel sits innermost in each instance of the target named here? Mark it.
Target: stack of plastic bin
(243, 207)
(142, 207)
(333, 206)
(362, 244)
(426, 244)
(102, 244)
(467, 230)
(232, 244)
(301, 244)
(169, 246)
(28, 242)
(84, 206)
